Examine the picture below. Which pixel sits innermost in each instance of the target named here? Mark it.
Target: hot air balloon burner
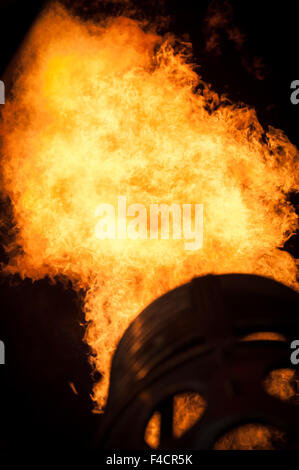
(204, 340)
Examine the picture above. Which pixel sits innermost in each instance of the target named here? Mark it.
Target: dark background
(253, 59)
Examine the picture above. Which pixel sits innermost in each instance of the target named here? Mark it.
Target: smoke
(220, 26)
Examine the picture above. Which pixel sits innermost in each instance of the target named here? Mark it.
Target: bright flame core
(105, 110)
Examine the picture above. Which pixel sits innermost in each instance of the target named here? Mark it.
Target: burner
(201, 341)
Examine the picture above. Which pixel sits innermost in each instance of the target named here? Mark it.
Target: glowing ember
(252, 437)
(102, 110)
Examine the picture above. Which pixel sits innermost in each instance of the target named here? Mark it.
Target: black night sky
(252, 57)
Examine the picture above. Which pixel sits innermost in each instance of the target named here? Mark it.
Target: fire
(100, 110)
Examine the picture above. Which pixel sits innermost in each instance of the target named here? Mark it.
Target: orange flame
(102, 110)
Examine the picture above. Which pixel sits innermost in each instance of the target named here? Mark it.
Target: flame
(252, 437)
(187, 408)
(111, 108)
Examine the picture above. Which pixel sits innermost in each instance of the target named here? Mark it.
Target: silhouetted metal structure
(190, 340)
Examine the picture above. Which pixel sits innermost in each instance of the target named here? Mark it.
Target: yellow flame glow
(102, 110)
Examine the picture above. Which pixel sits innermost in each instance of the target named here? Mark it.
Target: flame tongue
(97, 113)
